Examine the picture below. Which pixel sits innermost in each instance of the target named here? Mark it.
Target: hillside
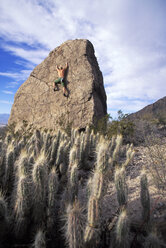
(154, 111)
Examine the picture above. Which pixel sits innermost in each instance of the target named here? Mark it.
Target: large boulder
(37, 103)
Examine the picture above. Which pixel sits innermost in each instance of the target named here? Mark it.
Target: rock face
(37, 103)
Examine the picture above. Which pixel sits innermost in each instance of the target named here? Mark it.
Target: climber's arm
(66, 65)
(57, 68)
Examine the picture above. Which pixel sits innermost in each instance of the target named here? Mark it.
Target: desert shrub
(156, 152)
(109, 127)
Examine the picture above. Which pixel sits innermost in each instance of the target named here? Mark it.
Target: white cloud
(22, 75)
(7, 92)
(12, 85)
(6, 102)
(33, 56)
(128, 36)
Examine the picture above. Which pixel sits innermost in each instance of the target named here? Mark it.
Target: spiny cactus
(3, 216)
(121, 186)
(22, 164)
(74, 225)
(122, 230)
(40, 176)
(102, 157)
(91, 236)
(3, 208)
(60, 153)
(8, 139)
(117, 148)
(93, 212)
(129, 155)
(47, 143)
(53, 184)
(9, 167)
(40, 241)
(145, 198)
(73, 182)
(37, 142)
(72, 156)
(22, 204)
(97, 185)
(54, 148)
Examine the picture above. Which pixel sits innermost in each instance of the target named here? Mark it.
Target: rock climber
(61, 73)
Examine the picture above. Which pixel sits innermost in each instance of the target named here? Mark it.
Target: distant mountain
(4, 119)
(154, 111)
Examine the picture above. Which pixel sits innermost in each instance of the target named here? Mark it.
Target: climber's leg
(65, 93)
(56, 82)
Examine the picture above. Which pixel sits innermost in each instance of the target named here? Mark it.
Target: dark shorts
(60, 81)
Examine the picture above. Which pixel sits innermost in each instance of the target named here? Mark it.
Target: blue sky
(129, 37)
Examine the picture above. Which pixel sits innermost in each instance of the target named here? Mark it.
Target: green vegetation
(110, 127)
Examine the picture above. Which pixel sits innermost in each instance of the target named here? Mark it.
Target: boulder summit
(38, 103)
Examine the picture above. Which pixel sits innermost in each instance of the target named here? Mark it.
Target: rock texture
(37, 103)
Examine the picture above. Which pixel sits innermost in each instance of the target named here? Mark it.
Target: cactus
(102, 157)
(91, 236)
(121, 186)
(3, 216)
(145, 198)
(93, 212)
(39, 176)
(72, 156)
(9, 164)
(3, 208)
(54, 149)
(122, 230)
(73, 184)
(115, 154)
(52, 194)
(47, 143)
(37, 142)
(129, 155)
(60, 153)
(22, 205)
(74, 226)
(22, 164)
(40, 241)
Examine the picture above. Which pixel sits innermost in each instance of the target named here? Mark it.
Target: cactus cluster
(54, 186)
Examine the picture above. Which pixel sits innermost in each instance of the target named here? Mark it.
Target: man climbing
(61, 73)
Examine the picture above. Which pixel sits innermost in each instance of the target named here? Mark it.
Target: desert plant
(3, 216)
(53, 184)
(40, 241)
(22, 205)
(75, 223)
(122, 230)
(40, 177)
(145, 198)
(121, 186)
(156, 166)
